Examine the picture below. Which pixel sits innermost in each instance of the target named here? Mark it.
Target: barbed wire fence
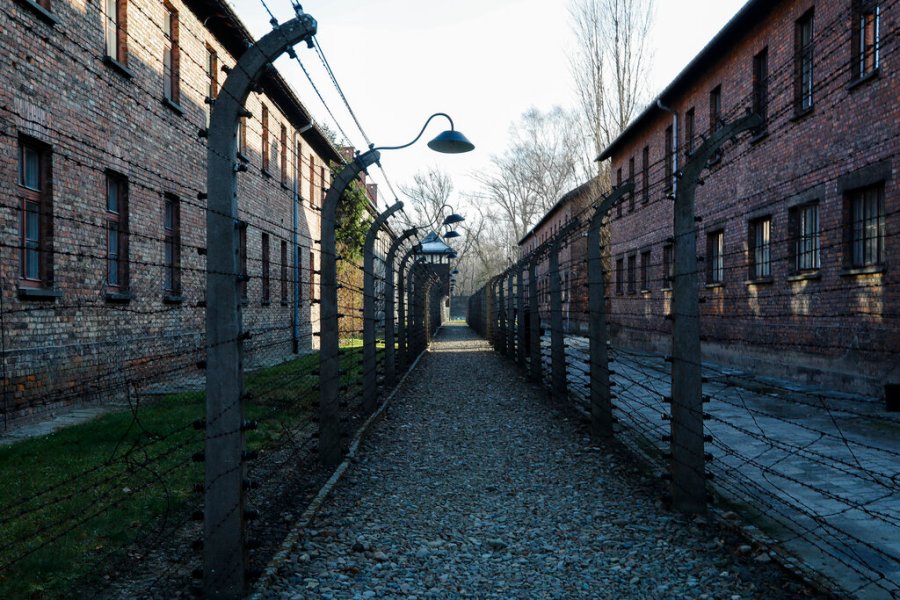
(126, 318)
(815, 469)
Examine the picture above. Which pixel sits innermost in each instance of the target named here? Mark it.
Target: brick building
(102, 179)
(573, 205)
(798, 219)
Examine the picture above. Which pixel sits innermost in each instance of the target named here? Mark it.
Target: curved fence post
(223, 548)
(390, 363)
(370, 351)
(688, 451)
(601, 397)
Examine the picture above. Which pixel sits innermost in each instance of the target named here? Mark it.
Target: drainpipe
(662, 106)
(295, 251)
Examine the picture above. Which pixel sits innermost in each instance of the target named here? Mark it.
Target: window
(645, 174)
(668, 266)
(35, 200)
(312, 180)
(116, 34)
(715, 108)
(866, 48)
(804, 224)
(803, 63)
(715, 117)
(619, 183)
(761, 87)
(242, 257)
(312, 275)
(759, 243)
(242, 137)
(715, 257)
(282, 148)
(322, 190)
(172, 245)
(631, 179)
(116, 231)
(867, 233)
(171, 56)
(645, 271)
(266, 283)
(620, 276)
(689, 132)
(284, 272)
(632, 274)
(212, 73)
(669, 154)
(265, 139)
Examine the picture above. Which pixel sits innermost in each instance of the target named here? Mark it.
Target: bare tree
(610, 64)
(428, 192)
(538, 167)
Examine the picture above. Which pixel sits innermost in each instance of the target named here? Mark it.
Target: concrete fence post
(223, 527)
(370, 351)
(687, 439)
(601, 395)
(535, 362)
(510, 315)
(520, 316)
(557, 340)
(390, 354)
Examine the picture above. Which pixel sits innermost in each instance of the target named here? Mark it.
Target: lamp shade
(451, 234)
(451, 142)
(454, 218)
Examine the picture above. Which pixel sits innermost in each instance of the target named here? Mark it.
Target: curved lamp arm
(425, 126)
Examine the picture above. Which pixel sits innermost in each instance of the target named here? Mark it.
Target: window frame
(759, 245)
(866, 232)
(761, 88)
(171, 55)
(669, 159)
(264, 145)
(284, 273)
(283, 153)
(119, 219)
(171, 244)
(620, 275)
(806, 246)
(668, 266)
(35, 201)
(632, 195)
(645, 174)
(715, 257)
(116, 31)
(266, 291)
(804, 63)
(690, 123)
(243, 276)
(645, 270)
(864, 14)
(631, 273)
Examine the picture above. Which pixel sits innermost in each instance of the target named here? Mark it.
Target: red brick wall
(58, 89)
(836, 326)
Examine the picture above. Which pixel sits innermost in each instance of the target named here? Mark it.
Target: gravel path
(474, 487)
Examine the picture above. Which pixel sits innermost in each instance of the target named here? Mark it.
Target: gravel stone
(475, 486)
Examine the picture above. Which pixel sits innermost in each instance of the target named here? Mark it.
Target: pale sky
(484, 62)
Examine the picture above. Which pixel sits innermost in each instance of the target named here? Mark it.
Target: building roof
(432, 244)
(740, 25)
(565, 199)
(218, 17)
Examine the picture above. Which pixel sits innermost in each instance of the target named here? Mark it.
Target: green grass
(73, 498)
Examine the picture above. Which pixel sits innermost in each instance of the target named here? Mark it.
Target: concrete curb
(290, 542)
